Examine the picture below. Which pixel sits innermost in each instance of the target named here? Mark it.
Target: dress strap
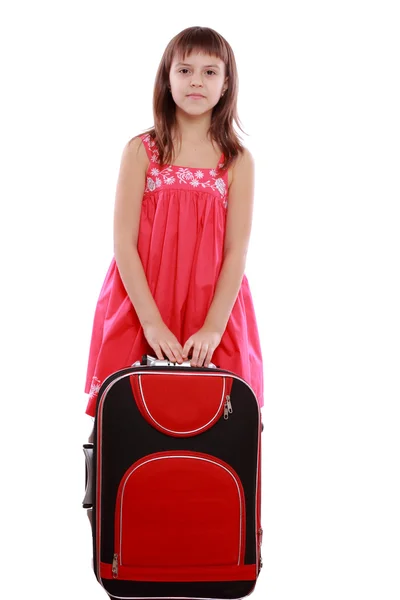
(148, 144)
(221, 160)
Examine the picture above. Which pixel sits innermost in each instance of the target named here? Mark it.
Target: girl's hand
(203, 342)
(161, 339)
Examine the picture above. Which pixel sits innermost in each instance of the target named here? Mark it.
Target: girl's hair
(199, 39)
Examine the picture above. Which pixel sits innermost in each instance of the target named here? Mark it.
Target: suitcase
(174, 480)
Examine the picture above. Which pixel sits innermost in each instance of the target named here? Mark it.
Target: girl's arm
(128, 205)
(237, 236)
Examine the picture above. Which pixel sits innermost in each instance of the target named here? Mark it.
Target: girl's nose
(196, 80)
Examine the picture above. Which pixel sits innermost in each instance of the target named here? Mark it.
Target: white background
(319, 99)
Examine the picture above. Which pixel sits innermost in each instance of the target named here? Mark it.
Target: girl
(183, 211)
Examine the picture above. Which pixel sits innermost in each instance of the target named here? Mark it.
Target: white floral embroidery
(150, 184)
(220, 185)
(184, 175)
(94, 387)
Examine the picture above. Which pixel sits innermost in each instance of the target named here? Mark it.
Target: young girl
(183, 210)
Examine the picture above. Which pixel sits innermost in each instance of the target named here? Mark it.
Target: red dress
(180, 243)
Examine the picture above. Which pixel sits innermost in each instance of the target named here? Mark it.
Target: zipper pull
(228, 410)
(115, 566)
(260, 535)
(225, 411)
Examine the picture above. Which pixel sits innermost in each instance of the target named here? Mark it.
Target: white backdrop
(319, 99)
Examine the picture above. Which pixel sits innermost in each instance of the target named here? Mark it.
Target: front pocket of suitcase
(179, 511)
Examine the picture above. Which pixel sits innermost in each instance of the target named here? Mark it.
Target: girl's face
(197, 82)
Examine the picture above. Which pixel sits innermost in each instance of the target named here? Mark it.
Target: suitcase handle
(88, 499)
(151, 361)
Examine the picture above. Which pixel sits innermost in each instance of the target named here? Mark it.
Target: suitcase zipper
(115, 566)
(228, 410)
(260, 536)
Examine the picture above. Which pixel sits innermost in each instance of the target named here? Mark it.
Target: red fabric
(180, 243)
(181, 406)
(190, 512)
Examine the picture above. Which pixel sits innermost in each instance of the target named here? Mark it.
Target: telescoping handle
(151, 361)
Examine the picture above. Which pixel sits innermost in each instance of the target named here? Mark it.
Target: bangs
(199, 39)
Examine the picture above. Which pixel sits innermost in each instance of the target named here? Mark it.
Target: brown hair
(200, 39)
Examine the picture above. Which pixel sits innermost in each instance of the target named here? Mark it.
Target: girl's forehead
(198, 56)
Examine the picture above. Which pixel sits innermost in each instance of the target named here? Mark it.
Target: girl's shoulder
(134, 156)
(243, 160)
(243, 155)
(138, 146)
(242, 167)
(139, 140)
(145, 144)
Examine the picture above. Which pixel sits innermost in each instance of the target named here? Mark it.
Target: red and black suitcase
(174, 480)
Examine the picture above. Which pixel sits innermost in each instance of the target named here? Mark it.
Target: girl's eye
(208, 71)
